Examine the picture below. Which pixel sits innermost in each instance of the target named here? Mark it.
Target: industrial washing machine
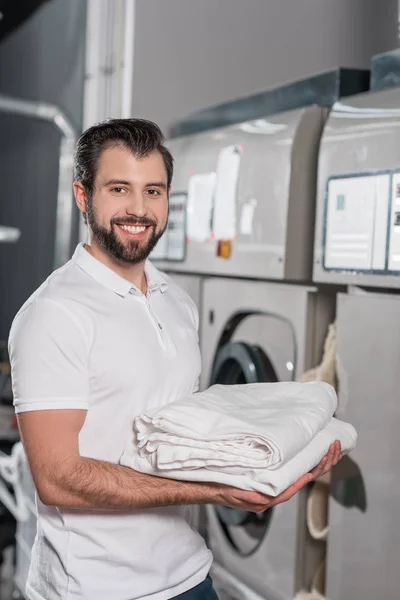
(205, 221)
(243, 192)
(255, 331)
(247, 171)
(358, 244)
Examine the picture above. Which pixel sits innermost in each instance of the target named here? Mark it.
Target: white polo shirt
(88, 339)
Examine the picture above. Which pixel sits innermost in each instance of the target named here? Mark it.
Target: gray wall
(194, 53)
(42, 60)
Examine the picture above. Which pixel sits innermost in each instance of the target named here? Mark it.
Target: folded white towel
(266, 481)
(255, 437)
(261, 425)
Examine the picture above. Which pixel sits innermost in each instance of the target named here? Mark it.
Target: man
(104, 338)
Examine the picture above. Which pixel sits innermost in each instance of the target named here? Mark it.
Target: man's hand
(257, 502)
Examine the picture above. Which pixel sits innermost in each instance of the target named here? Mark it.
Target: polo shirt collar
(155, 279)
(107, 277)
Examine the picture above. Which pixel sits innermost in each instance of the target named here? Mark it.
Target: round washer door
(240, 363)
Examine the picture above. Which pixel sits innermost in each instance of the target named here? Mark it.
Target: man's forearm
(89, 483)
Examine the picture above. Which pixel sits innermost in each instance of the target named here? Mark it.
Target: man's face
(128, 210)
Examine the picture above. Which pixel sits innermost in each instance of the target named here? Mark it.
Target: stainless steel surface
(287, 323)
(323, 89)
(364, 535)
(361, 136)
(278, 174)
(287, 330)
(52, 114)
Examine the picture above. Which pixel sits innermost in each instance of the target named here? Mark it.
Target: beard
(131, 251)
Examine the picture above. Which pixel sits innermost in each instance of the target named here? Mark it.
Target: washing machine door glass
(240, 363)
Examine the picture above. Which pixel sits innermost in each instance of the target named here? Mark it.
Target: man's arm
(49, 353)
(64, 478)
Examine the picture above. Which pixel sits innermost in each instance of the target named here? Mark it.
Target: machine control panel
(362, 223)
(172, 245)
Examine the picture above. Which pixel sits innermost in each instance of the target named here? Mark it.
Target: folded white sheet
(257, 436)
(254, 425)
(267, 481)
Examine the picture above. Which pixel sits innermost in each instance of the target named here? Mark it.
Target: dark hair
(139, 136)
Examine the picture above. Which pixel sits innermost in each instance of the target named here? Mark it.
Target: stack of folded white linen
(260, 436)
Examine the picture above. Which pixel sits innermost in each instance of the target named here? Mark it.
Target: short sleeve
(49, 358)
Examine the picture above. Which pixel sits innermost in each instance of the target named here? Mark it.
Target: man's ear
(80, 196)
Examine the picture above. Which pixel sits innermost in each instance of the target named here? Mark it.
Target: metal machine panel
(273, 556)
(357, 237)
(364, 536)
(296, 307)
(261, 208)
(249, 170)
(322, 89)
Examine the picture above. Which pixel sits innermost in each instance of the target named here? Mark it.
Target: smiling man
(126, 206)
(103, 339)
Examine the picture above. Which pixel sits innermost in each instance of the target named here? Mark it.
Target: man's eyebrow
(117, 182)
(160, 184)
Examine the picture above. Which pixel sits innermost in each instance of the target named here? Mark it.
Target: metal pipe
(64, 212)
(128, 59)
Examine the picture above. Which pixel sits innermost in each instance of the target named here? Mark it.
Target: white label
(247, 217)
(172, 244)
(228, 167)
(394, 235)
(356, 222)
(201, 190)
(160, 251)
(176, 229)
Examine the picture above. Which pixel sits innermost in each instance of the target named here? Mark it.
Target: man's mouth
(133, 232)
(134, 228)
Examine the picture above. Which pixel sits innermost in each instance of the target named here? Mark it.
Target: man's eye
(119, 190)
(153, 192)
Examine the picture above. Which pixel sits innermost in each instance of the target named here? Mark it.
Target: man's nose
(137, 206)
